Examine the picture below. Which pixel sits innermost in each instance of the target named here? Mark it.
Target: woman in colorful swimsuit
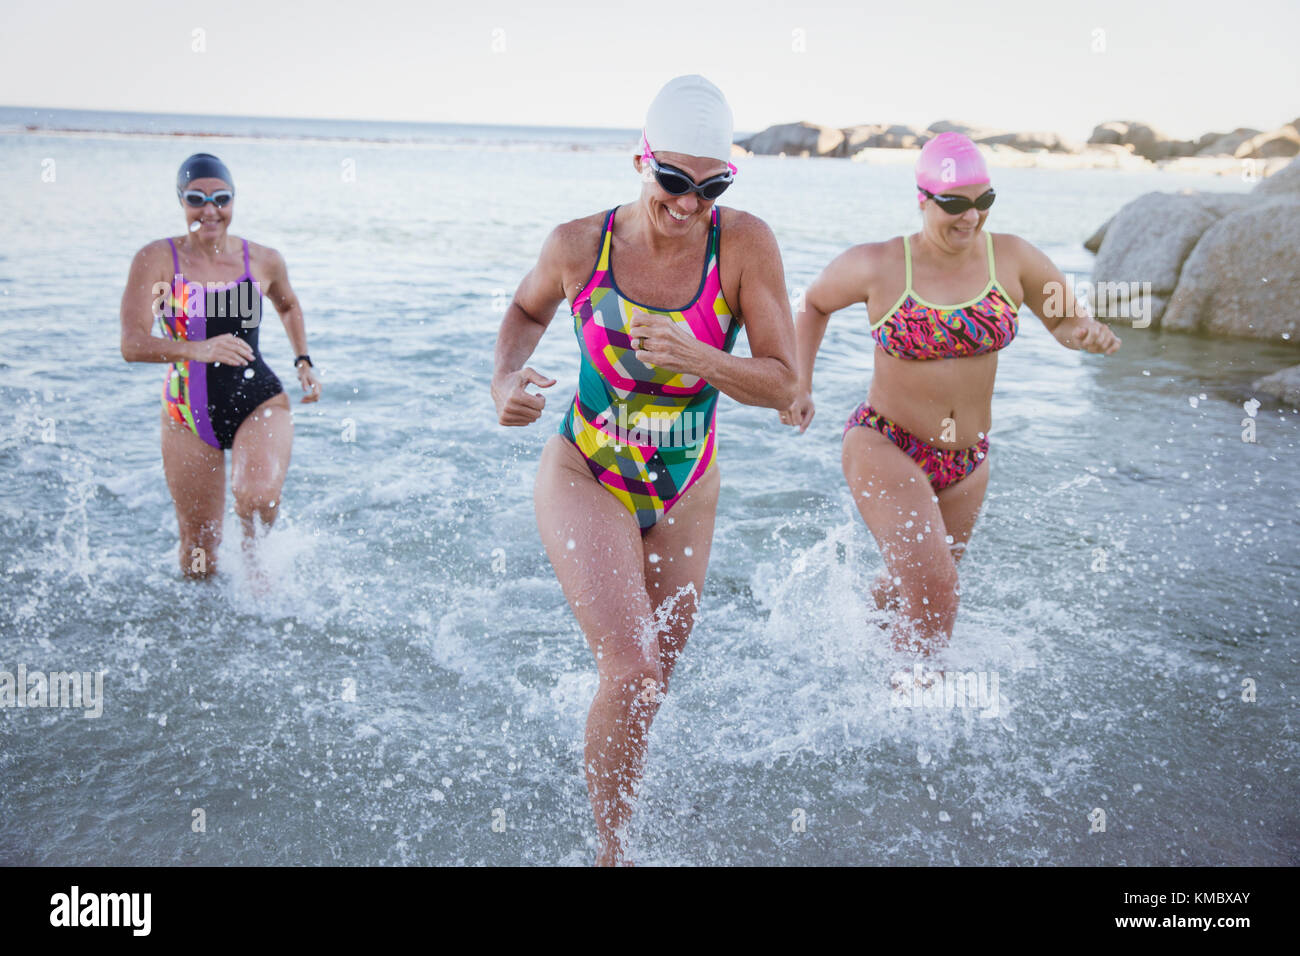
(917, 464)
(626, 492)
(218, 394)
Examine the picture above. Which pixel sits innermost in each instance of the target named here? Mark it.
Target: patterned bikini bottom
(944, 467)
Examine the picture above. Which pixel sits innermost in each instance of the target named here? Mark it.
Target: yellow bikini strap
(907, 265)
(606, 236)
(993, 275)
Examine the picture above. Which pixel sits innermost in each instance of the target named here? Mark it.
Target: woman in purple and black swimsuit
(915, 466)
(219, 394)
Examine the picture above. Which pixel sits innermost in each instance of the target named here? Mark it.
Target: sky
(1186, 68)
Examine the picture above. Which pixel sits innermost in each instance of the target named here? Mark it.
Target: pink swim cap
(948, 160)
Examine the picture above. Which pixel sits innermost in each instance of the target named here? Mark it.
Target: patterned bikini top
(916, 329)
(617, 391)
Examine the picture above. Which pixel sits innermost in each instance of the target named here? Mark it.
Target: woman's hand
(800, 413)
(515, 405)
(223, 349)
(1088, 335)
(663, 343)
(310, 383)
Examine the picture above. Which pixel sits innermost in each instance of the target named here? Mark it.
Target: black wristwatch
(303, 358)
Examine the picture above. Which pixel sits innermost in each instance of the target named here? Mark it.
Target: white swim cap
(690, 115)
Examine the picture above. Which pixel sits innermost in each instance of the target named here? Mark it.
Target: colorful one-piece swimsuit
(212, 400)
(646, 433)
(920, 330)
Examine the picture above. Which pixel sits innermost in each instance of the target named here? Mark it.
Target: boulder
(1093, 242)
(1148, 240)
(880, 136)
(830, 142)
(797, 139)
(1284, 141)
(985, 136)
(1108, 134)
(1284, 182)
(899, 129)
(1241, 277)
(1144, 140)
(1224, 144)
(1284, 385)
(1030, 141)
(949, 126)
(888, 140)
(1223, 204)
(1222, 263)
(859, 137)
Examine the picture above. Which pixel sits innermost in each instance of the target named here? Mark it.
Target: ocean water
(413, 690)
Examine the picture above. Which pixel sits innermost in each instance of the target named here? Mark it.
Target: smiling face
(954, 232)
(675, 215)
(213, 221)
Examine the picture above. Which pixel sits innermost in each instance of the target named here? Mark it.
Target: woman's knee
(638, 686)
(255, 495)
(930, 593)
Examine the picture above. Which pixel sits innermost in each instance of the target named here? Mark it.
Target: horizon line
(329, 119)
(548, 126)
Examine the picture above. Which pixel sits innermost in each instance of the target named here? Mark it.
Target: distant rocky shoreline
(1115, 144)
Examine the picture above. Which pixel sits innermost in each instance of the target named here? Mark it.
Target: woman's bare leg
(676, 561)
(595, 547)
(196, 477)
(895, 499)
(960, 506)
(259, 462)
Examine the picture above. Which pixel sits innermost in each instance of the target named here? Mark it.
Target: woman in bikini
(219, 395)
(914, 467)
(626, 492)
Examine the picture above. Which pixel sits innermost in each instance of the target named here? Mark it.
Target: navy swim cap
(203, 166)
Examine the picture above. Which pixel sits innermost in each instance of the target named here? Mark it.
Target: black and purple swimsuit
(210, 399)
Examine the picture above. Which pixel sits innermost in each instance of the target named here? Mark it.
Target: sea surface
(413, 689)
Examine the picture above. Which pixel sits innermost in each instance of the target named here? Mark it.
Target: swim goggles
(196, 197)
(677, 183)
(956, 205)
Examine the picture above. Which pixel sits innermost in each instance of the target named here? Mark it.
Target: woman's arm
(841, 284)
(767, 378)
(529, 313)
(286, 304)
(1050, 297)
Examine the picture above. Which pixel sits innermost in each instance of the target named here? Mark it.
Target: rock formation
(1107, 146)
(1217, 263)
